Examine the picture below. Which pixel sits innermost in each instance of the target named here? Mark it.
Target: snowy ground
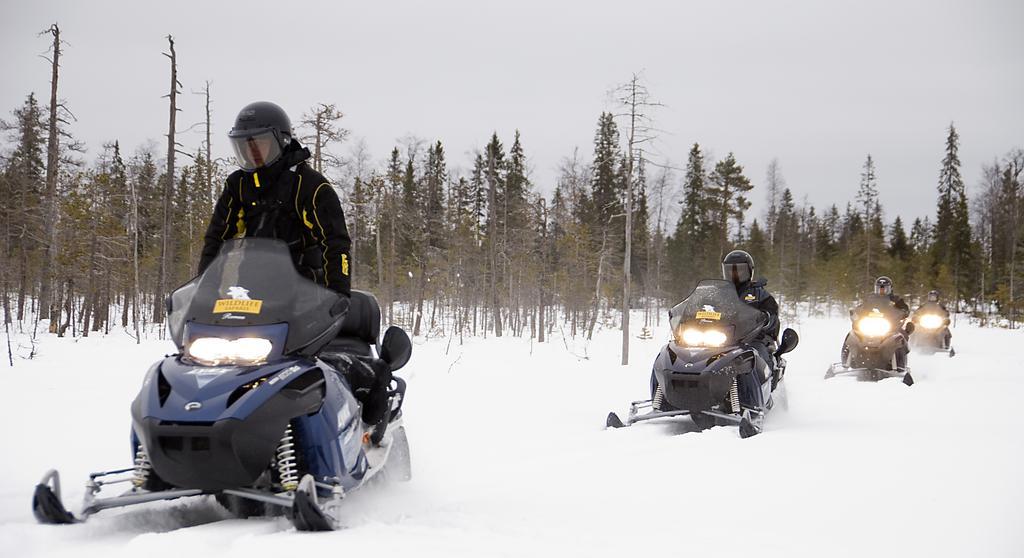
(510, 458)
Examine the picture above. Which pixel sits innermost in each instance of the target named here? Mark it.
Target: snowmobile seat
(361, 327)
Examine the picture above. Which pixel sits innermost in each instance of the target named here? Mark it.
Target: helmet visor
(256, 150)
(738, 273)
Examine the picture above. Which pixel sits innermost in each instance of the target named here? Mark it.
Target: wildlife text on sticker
(224, 305)
(707, 315)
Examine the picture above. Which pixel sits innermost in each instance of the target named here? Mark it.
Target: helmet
(738, 267)
(933, 296)
(883, 286)
(261, 132)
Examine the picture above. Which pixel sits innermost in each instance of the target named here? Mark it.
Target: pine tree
(24, 176)
(774, 183)
(494, 165)
(727, 200)
(952, 246)
(686, 249)
(606, 189)
(435, 178)
(786, 241)
(867, 199)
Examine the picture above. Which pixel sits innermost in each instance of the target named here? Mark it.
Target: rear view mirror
(909, 327)
(395, 348)
(789, 342)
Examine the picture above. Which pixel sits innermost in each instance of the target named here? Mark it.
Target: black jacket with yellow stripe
(292, 202)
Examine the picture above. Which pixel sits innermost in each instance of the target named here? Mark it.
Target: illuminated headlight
(931, 321)
(874, 326)
(215, 351)
(694, 337)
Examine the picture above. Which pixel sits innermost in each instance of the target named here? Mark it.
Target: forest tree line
(97, 245)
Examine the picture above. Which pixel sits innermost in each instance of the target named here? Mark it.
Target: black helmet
(261, 132)
(933, 296)
(738, 267)
(883, 286)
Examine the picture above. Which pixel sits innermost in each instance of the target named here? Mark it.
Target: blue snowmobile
(246, 410)
(710, 371)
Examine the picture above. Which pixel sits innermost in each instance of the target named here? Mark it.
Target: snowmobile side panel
(330, 440)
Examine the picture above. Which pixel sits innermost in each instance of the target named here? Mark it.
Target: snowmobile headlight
(931, 321)
(714, 338)
(694, 337)
(215, 351)
(873, 326)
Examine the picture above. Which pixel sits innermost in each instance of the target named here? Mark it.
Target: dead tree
(208, 170)
(323, 120)
(168, 185)
(634, 97)
(52, 158)
(133, 220)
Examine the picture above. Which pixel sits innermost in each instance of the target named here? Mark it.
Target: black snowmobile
(246, 411)
(709, 371)
(871, 349)
(931, 330)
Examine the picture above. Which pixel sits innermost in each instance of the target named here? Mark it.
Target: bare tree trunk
(6, 301)
(492, 232)
(392, 284)
(22, 283)
(420, 287)
(627, 259)
(134, 299)
(380, 257)
(91, 291)
(50, 216)
(158, 314)
(210, 194)
(597, 289)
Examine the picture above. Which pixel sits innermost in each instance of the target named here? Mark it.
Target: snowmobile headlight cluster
(214, 351)
(694, 337)
(874, 326)
(931, 321)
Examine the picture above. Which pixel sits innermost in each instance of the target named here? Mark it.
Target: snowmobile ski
(869, 374)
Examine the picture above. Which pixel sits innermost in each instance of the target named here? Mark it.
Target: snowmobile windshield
(253, 282)
(254, 151)
(714, 303)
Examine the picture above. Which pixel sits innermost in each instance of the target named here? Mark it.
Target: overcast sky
(817, 84)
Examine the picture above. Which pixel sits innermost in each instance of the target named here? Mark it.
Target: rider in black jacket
(738, 267)
(276, 194)
(883, 286)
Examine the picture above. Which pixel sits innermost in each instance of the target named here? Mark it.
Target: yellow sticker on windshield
(709, 315)
(241, 306)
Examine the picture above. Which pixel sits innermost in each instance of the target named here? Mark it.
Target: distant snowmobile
(709, 371)
(931, 332)
(871, 349)
(246, 411)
